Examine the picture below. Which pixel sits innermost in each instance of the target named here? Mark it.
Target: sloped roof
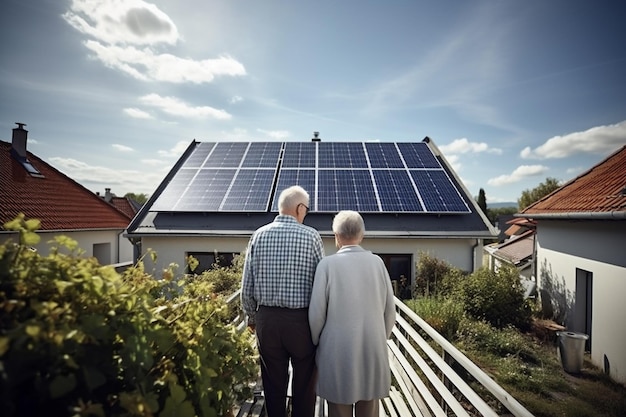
(126, 205)
(153, 221)
(59, 202)
(517, 249)
(602, 189)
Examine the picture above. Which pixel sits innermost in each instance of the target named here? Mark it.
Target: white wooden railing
(425, 380)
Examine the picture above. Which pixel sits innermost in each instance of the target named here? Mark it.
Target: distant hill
(502, 205)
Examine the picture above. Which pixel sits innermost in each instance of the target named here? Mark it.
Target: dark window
(399, 266)
(208, 260)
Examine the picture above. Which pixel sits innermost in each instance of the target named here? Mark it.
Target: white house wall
(564, 247)
(457, 252)
(120, 248)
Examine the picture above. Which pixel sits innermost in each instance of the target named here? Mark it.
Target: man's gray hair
(290, 198)
(349, 225)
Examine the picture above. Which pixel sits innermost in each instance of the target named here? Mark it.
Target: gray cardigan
(351, 315)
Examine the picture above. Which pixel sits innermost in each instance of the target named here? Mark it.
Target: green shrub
(497, 298)
(443, 314)
(430, 272)
(77, 338)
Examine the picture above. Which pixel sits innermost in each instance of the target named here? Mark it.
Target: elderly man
(276, 290)
(352, 314)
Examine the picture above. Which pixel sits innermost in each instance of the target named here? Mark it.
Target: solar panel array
(368, 177)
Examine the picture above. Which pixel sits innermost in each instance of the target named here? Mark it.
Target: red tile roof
(602, 189)
(124, 205)
(59, 202)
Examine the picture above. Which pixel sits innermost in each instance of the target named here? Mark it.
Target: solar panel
(250, 191)
(346, 190)
(226, 155)
(372, 177)
(418, 155)
(262, 155)
(299, 155)
(341, 155)
(438, 192)
(174, 190)
(207, 190)
(396, 192)
(383, 155)
(305, 178)
(199, 155)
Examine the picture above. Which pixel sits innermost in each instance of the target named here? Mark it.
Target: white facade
(465, 254)
(108, 246)
(581, 270)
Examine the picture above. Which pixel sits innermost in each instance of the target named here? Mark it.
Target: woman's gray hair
(349, 225)
(290, 198)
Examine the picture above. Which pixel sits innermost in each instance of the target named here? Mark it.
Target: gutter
(607, 215)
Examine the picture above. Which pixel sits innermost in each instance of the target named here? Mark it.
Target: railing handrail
(416, 393)
(485, 380)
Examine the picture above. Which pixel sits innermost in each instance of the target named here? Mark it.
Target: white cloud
(145, 65)
(519, 174)
(122, 21)
(137, 113)
(123, 34)
(122, 148)
(176, 151)
(98, 176)
(177, 107)
(454, 162)
(597, 140)
(275, 134)
(236, 99)
(154, 162)
(465, 146)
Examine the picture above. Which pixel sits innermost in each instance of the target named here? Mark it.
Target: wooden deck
(430, 377)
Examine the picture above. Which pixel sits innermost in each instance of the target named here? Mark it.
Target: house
(126, 205)
(219, 193)
(516, 249)
(581, 259)
(31, 186)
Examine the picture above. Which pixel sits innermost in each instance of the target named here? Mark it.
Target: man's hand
(252, 327)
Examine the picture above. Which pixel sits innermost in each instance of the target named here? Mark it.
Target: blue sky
(512, 92)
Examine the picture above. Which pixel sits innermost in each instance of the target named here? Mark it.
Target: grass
(526, 365)
(529, 369)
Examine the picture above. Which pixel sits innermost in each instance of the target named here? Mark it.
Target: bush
(77, 338)
(497, 298)
(430, 272)
(442, 314)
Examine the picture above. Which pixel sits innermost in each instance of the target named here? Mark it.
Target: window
(399, 265)
(207, 260)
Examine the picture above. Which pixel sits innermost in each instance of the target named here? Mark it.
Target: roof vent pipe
(316, 137)
(19, 139)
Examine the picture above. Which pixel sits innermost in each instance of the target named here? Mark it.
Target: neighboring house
(217, 194)
(516, 251)
(581, 259)
(31, 186)
(126, 205)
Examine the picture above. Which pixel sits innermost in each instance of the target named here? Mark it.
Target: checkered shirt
(280, 266)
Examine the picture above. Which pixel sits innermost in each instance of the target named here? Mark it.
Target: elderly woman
(351, 315)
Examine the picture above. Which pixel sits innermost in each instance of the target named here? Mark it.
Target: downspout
(474, 254)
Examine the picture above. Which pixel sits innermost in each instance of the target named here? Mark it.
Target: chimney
(19, 139)
(316, 137)
(107, 195)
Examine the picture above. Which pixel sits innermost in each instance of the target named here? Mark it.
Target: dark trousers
(282, 335)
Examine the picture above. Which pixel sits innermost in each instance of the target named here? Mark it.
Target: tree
(482, 201)
(140, 198)
(543, 189)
